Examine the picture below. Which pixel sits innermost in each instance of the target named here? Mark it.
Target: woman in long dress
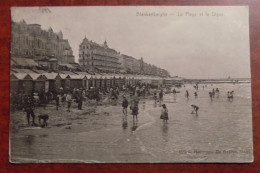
(164, 114)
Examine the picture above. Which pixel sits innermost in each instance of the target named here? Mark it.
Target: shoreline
(102, 137)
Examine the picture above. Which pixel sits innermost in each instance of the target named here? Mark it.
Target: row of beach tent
(38, 82)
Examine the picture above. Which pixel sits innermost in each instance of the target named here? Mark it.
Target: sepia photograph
(130, 84)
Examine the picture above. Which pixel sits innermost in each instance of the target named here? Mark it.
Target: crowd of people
(131, 95)
(61, 97)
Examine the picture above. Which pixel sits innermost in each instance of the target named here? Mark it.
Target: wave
(150, 117)
(18, 160)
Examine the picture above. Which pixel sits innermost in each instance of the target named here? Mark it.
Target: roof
(67, 72)
(86, 74)
(64, 76)
(17, 70)
(175, 78)
(40, 71)
(68, 65)
(81, 72)
(75, 64)
(25, 62)
(50, 76)
(53, 59)
(34, 76)
(77, 76)
(12, 62)
(89, 76)
(21, 76)
(97, 76)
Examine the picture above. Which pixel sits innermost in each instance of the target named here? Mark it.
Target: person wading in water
(187, 94)
(125, 105)
(134, 108)
(164, 114)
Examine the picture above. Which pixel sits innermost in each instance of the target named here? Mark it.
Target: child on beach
(155, 96)
(195, 109)
(230, 95)
(196, 94)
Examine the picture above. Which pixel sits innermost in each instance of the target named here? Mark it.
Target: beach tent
(120, 81)
(106, 81)
(103, 82)
(53, 82)
(89, 81)
(109, 81)
(14, 83)
(21, 82)
(97, 80)
(65, 81)
(112, 80)
(78, 81)
(38, 82)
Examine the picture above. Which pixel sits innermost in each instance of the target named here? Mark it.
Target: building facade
(127, 63)
(138, 66)
(30, 41)
(100, 58)
(95, 57)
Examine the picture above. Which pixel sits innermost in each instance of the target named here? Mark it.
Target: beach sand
(221, 132)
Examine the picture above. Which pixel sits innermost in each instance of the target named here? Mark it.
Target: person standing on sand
(174, 91)
(187, 94)
(125, 105)
(80, 100)
(161, 96)
(57, 100)
(213, 92)
(210, 95)
(63, 99)
(29, 109)
(164, 114)
(68, 100)
(155, 96)
(44, 99)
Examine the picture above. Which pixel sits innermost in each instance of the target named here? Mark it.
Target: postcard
(130, 84)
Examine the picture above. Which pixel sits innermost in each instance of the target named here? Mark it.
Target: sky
(191, 42)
